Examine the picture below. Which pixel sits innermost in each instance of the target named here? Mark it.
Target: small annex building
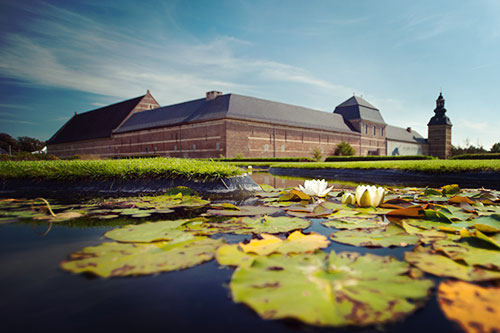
(229, 125)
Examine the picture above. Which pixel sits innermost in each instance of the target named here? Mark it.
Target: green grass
(430, 166)
(151, 168)
(257, 164)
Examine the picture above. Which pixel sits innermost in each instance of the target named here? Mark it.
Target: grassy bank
(431, 166)
(151, 168)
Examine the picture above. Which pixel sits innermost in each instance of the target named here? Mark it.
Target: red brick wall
(198, 140)
(99, 147)
(253, 139)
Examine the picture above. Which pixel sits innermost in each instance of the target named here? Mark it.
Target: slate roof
(358, 108)
(401, 134)
(235, 107)
(95, 124)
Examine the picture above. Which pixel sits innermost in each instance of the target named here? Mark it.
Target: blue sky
(62, 57)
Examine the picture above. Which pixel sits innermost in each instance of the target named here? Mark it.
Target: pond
(38, 295)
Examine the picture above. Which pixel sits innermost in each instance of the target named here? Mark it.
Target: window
(266, 147)
(374, 130)
(217, 146)
(194, 146)
(147, 150)
(175, 147)
(282, 147)
(382, 131)
(366, 128)
(156, 149)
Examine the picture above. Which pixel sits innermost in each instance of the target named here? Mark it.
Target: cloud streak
(68, 50)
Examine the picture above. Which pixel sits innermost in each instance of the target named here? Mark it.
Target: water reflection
(286, 181)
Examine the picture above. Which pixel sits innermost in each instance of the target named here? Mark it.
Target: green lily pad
(120, 259)
(355, 222)
(427, 236)
(267, 188)
(150, 232)
(433, 263)
(381, 237)
(488, 223)
(484, 256)
(329, 290)
(244, 211)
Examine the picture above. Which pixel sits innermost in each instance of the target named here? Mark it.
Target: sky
(62, 57)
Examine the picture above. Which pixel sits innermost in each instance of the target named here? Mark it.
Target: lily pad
(426, 236)
(355, 222)
(243, 254)
(434, 263)
(488, 223)
(473, 307)
(244, 211)
(150, 232)
(120, 259)
(381, 237)
(484, 256)
(329, 290)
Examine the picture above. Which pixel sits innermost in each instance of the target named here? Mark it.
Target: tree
(495, 148)
(6, 140)
(344, 149)
(25, 143)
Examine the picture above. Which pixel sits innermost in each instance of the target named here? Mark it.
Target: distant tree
(6, 140)
(495, 148)
(344, 149)
(470, 149)
(27, 144)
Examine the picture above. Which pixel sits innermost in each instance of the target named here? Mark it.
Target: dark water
(37, 296)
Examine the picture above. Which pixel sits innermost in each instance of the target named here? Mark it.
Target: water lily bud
(348, 198)
(369, 196)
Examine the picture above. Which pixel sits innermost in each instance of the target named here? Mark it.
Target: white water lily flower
(315, 188)
(348, 198)
(369, 196)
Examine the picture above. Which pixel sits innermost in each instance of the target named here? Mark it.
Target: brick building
(229, 125)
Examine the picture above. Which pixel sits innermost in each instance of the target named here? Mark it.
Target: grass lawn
(150, 168)
(431, 166)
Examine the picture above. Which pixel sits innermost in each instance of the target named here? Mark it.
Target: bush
(377, 158)
(487, 156)
(317, 155)
(24, 156)
(344, 149)
(265, 159)
(84, 157)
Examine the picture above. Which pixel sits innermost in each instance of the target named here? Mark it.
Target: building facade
(229, 125)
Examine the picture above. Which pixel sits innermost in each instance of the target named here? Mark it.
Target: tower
(439, 131)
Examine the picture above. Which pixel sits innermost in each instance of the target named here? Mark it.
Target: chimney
(408, 129)
(147, 92)
(212, 95)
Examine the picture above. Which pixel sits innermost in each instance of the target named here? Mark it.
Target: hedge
(377, 158)
(266, 159)
(485, 156)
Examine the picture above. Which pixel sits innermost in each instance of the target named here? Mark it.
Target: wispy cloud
(12, 106)
(16, 121)
(68, 50)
